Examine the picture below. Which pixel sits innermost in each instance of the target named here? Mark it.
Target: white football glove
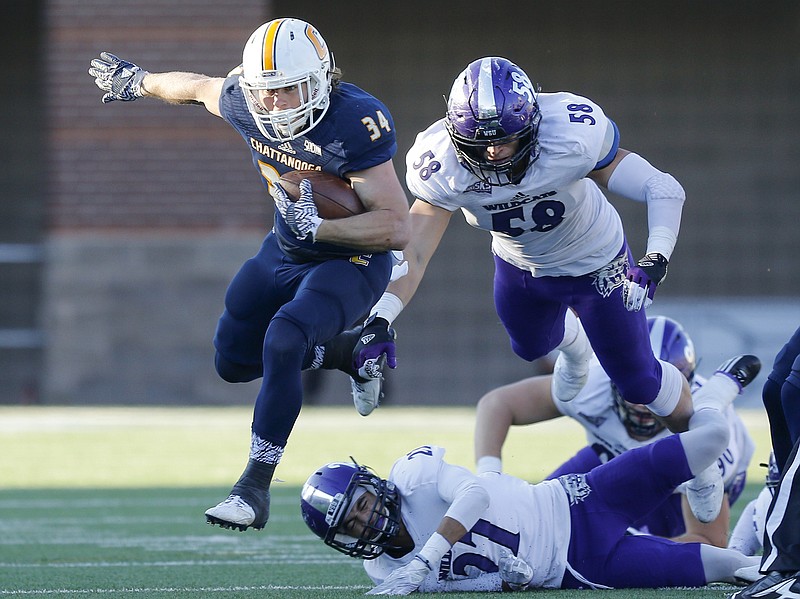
(404, 580)
(120, 79)
(301, 216)
(642, 280)
(515, 572)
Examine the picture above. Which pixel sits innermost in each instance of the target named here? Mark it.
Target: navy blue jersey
(356, 133)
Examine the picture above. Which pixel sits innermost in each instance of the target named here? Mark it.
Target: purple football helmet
(492, 102)
(671, 343)
(327, 497)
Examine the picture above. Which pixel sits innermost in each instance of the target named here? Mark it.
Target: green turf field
(109, 501)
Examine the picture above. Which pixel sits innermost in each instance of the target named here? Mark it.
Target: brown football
(333, 197)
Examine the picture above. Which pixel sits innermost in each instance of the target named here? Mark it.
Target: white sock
(718, 393)
(743, 538)
(575, 345)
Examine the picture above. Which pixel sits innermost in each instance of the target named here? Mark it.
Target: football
(333, 197)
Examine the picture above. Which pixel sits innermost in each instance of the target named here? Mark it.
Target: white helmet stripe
(659, 323)
(486, 106)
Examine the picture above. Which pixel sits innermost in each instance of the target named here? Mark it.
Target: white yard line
(145, 591)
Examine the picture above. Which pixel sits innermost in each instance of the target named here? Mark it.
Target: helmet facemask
(472, 153)
(289, 123)
(322, 494)
(491, 103)
(773, 474)
(280, 54)
(640, 422)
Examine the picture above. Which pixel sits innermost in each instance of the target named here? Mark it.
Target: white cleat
(569, 377)
(705, 493)
(366, 394)
(233, 512)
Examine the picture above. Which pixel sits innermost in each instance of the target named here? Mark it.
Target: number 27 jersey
(555, 222)
(531, 521)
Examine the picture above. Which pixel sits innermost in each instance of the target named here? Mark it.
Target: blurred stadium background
(121, 225)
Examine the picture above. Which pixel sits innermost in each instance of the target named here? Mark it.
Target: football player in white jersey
(431, 526)
(528, 167)
(748, 534)
(614, 426)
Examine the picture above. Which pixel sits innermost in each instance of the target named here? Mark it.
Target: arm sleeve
(465, 492)
(637, 179)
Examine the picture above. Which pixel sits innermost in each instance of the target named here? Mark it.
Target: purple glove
(375, 347)
(642, 281)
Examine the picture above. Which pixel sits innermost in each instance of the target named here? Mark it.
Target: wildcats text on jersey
(519, 200)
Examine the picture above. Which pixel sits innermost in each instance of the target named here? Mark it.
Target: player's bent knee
(284, 341)
(718, 432)
(529, 353)
(231, 372)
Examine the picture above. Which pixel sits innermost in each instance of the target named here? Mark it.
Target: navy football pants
(276, 310)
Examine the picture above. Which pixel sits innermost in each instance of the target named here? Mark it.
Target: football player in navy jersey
(778, 574)
(312, 278)
(781, 397)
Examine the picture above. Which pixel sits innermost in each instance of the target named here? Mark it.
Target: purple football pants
(666, 520)
(609, 499)
(532, 310)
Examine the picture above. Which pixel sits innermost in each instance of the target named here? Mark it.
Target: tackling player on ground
(614, 426)
(311, 278)
(431, 526)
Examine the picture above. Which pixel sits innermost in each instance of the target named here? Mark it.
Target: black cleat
(775, 585)
(742, 369)
(339, 352)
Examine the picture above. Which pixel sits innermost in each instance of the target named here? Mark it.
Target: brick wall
(146, 165)
(152, 207)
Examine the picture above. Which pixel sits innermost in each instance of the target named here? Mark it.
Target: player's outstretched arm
(428, 224)
(125, 81)
(524, 402)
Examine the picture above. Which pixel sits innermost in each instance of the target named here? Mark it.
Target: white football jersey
(532, 521)
(594, 408)
(555, 222)
(762, 504)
